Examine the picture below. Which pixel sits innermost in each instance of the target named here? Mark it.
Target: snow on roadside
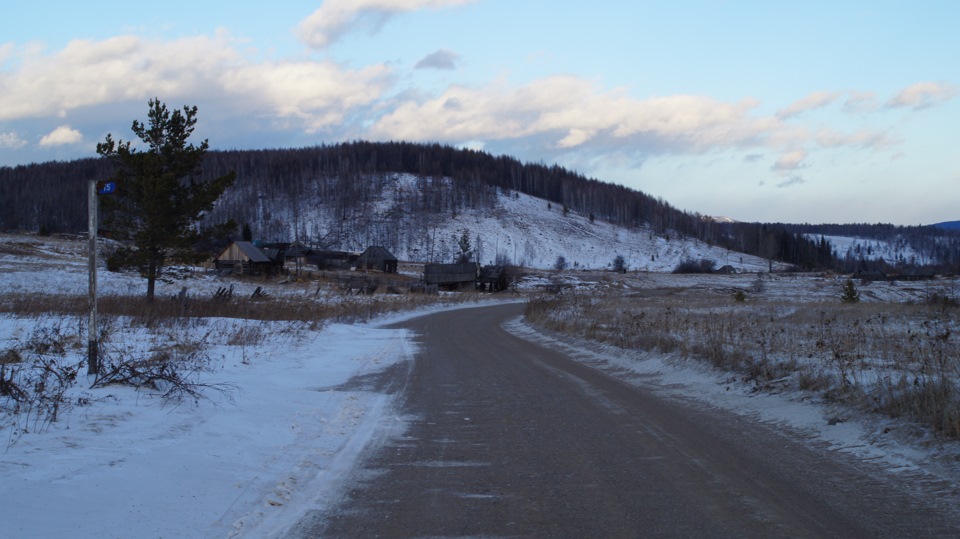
(127, 466)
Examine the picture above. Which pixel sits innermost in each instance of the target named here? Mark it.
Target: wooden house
(245, 258)
(377, 258)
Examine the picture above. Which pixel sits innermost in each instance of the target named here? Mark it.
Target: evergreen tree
(160, 195)
(463, 243)
(561, 263)
(850, 293)
(619, 264)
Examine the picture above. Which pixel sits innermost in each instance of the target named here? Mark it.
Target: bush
(689, 265)
(619, 264)
(119, 260)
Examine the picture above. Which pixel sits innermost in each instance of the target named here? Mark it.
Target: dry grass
(348, 309)
(898, 359)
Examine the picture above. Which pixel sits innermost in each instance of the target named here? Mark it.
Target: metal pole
(93, 362)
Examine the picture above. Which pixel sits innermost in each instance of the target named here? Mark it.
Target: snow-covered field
(301, 404)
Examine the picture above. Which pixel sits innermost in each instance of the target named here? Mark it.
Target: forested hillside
(277, 189)
(880, 246)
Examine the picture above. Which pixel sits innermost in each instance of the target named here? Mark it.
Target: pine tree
(619, 264)
(850, 293)
(160, 196)
(463, 243)
(560, 264)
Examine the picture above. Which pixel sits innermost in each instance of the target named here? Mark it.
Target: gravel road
(510, 439)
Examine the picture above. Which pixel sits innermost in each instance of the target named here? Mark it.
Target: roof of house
(250, 251)
(375, 252)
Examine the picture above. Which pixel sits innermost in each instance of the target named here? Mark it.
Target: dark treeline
(343, 181)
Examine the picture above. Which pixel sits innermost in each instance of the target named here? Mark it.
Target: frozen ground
(249, 462)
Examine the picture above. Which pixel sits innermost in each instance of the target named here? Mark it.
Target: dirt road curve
(510, 439)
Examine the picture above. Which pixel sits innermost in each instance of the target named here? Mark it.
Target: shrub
(689, 265)
(619, 264)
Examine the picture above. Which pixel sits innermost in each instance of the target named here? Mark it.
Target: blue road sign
(106, 188)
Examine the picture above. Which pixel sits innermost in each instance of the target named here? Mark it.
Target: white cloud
(6, 52)
(791, 181)
(335, 18)
(567, 112)
(318, 94)
(816, 100)
(196, 69)
(916, 96)
(122, 68)
(923, 94)
(860, 102)
(61, 136)
(861, 139)
(442, 59)
(11, 141)
(792, 160)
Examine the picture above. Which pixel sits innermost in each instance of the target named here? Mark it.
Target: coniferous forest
(346, 178)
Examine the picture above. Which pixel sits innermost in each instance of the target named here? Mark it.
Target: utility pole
(93, 346)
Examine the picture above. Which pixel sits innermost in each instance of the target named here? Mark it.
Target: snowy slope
(531, 232)
(873, 249)
(521, 229)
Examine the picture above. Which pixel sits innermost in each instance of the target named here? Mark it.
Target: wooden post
(93, 348)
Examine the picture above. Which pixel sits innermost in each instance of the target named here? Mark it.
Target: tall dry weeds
(902, 360)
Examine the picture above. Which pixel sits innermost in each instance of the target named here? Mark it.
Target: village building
(245, 258)
(377, 258)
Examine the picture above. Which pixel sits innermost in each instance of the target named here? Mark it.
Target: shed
(493, 278)
(244, 257)
(377, 258)
(450, 275)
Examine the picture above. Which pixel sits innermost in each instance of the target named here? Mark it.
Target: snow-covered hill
(895, 251)
(519, 229)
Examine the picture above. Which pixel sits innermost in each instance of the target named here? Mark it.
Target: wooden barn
(451, 275)
(377, 258)
(493, 278)
(245, 258)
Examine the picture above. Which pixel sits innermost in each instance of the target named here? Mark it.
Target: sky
(802, 112)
